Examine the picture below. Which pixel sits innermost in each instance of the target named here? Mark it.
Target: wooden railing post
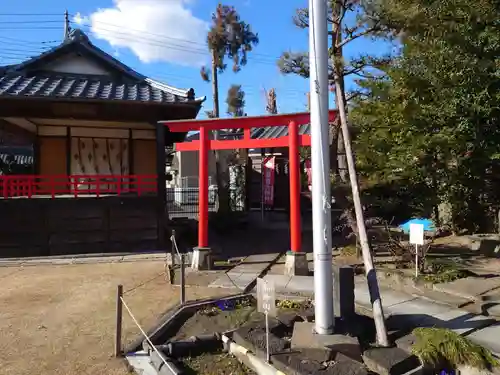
(31, 184)
(74, 185)
(119, 310)
(4, 187)
(52, 188)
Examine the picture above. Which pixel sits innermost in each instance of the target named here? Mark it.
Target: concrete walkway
(407, 311)
(83, 259)
(245, 274)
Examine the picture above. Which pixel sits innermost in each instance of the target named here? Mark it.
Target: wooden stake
(118, 332)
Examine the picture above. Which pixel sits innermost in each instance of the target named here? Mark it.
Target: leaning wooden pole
(371, 276)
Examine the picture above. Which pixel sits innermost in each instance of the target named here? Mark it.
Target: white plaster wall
(76, 64)
(189, 166)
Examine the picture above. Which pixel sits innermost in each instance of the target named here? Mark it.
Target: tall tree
(235, 101)
(228, 37)
(435, 121)
(342, 31)
(271, 103)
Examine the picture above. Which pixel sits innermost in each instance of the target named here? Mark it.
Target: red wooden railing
(28, 186)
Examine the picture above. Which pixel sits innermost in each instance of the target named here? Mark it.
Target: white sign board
(416, 234)
(266, 297)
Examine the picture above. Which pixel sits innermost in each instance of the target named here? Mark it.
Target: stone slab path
(407, 310)
(246, 273)
(470, 287)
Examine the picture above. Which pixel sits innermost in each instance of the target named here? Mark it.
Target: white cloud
(154, 30)
(79, 19)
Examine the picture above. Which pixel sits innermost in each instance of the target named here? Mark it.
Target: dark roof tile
(57, 85)
(29, 79)
(277, 131)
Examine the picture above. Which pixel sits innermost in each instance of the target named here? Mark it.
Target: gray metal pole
(321, 194)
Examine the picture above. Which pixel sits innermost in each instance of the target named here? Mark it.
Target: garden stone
(390, 361)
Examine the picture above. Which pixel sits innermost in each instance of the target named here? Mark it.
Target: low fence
(29, 186)
(121, 303)
(183, 202)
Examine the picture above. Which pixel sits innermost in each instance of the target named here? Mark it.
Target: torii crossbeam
(293, 141)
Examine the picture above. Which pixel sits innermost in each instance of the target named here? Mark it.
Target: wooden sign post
(266, 303)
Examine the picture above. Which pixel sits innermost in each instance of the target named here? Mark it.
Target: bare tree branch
(353, 36)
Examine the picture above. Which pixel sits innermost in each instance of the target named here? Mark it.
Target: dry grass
(60, 319)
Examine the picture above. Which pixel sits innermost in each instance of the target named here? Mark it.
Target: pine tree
(367, 23)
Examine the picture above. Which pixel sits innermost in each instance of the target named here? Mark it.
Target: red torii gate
(293, 141)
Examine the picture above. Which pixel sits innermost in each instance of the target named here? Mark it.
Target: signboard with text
(268, 168)
(266, 297)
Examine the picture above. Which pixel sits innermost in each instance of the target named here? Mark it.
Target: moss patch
(444, 272)
(439, 346)
(286, 304)
(348, 251)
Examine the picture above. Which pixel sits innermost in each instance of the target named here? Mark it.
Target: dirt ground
(208, 321)
(60, 319)
(219, 322)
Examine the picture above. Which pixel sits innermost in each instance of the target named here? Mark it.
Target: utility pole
(321, 194)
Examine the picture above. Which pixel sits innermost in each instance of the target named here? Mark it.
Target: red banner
(268, 180)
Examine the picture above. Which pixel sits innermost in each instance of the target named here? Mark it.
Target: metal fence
(183, 202)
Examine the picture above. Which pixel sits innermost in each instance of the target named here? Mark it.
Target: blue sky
(165, 40)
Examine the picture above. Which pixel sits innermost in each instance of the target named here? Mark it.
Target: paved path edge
(82, 259)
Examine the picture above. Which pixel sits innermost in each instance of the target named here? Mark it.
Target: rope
(174, 243)
(143, 283)
(146, 336)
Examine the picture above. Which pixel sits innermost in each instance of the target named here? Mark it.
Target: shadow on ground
(251, 237)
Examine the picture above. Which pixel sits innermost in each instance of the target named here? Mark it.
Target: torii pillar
(296, 260)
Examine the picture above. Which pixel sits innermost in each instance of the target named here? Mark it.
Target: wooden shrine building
(99, 154)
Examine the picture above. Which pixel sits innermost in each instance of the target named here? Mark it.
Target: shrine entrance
(293, 140)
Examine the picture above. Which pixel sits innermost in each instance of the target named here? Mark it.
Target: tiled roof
(78, 87)
(278, 131)
(30, 79)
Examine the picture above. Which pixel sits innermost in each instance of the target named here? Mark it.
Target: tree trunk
(338, 161)
(221, 168)
(377, 309)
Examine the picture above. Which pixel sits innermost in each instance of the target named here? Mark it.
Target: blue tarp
(428, 224)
